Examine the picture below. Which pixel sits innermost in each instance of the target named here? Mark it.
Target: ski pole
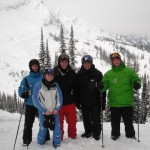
(138, 119)
(102, 119)
(19, 125)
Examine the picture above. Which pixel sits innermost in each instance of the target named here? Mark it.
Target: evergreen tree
(15, 101)
(9, 104)
(56, 59)
(136, 66)
(145, 99)
(42, 52)
(3, 101)
(48, 58)
(62, 41)
(72, 49)
(137, 108)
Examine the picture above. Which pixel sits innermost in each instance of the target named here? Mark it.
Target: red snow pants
(68, 112)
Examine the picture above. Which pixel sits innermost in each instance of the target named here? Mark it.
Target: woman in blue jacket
(47, 98)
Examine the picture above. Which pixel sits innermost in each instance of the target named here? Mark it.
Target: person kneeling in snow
(47, 97)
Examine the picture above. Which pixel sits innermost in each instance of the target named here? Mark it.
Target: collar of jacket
(48, 84)
(63, 71)
(121, 67)
(35, 75)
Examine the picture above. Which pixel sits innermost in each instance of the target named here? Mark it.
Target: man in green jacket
(120, 81)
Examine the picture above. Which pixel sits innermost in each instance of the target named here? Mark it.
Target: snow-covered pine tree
(56, 59)
(3, 101)
(10, 106)
(137, 107)
(19, 105)
(72, 49)
(136, 65)
(144, 99)
(62, 41)
(15, 102)
(42, 52)
(47, 58)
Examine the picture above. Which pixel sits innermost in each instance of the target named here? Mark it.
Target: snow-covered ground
(9, 123)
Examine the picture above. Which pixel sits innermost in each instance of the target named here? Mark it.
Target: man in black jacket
(89, 101)
(66, 78)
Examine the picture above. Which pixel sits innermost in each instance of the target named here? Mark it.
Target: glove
(49, 122)
(46, 123)
(100, 86)
(136, 85)
(24, 95)
(78, 106)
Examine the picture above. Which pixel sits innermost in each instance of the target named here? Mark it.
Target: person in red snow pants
(65, 76)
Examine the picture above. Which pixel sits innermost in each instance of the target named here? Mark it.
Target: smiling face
(116, 62)
(64, 64)
(87, 65)
(35, 67)
(49, 77)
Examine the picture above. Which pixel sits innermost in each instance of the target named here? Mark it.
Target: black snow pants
(127, 114)
(30, 114)
(91, 119)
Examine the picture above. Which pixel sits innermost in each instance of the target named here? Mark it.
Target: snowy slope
(9, 124)
(20, 27)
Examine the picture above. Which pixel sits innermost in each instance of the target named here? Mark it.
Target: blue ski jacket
(32, 79)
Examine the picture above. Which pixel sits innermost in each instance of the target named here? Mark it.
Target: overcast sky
(117, 16)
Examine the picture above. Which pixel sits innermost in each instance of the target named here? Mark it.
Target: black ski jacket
(87, 81)
(67, 83)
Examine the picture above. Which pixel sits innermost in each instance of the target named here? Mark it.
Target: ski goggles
(115, 55)
(64, 57)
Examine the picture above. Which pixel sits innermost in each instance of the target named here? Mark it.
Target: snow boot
(56, 145)
(114, 137)
(86, 135)
(96, 137)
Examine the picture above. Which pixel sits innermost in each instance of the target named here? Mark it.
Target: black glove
(100, 86)
(46, 123)
(136, 85)
(49, 122)
(24, 95)
(78, 106)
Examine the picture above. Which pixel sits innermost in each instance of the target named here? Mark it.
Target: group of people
(56, 93)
